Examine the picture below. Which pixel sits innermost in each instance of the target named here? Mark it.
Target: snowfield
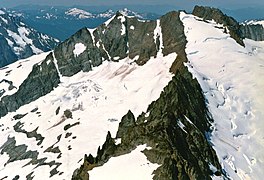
(98, 100)
(230, 77)
(130, 167)
(79, 48)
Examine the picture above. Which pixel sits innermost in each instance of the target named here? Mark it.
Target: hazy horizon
(228, 4)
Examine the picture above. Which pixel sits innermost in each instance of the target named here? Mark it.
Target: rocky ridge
(236, 30)
(233, 27)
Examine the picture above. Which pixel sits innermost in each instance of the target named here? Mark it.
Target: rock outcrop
(252, 31)
(209, 13)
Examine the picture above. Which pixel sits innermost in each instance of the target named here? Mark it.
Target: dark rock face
(122, 37)
(107, 42)
(7, 56)
(17, 40)
(140, 39)
(255, 32)
(208, 13)
(68, 63)
(172, 28)
(42, 80)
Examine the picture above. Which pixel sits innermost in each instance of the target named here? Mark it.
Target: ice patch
(79, 48)
(158, 35)
(4, 20)
(123, 29)
(2, 12)
(91, 32)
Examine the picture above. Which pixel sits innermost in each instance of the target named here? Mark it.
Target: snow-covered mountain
(175, 98)
(62, 22)
(79, 13)
(18, 40)
(82, 14)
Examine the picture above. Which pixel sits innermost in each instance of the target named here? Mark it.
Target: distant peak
(81, 14)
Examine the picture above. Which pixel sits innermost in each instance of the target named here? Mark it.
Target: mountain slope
(151, 90)
(19, 40)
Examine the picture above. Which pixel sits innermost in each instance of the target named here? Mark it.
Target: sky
(186, 4)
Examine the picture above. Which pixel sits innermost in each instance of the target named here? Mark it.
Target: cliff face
(252, 31)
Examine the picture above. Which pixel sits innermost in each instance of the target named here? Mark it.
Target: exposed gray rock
(251, 31)
(18, 128)
(7, 56)
(15, 152)
(68, 114)
(34, 110)
(57, 110)
(53, 149)
(68, 126)
(19, 116)
(209, 13)
(30, 176)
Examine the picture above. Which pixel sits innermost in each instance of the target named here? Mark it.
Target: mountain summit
(138, 99)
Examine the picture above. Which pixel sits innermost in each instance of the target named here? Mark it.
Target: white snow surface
(3, 19)
(231, 79)
(81, 14)
(254, 22)
(128, 13)
(2, 12)
(106, 14)
(22, 40)
(79, 48)
(158, 34)
(130, 167)
(98, 100)
(122, 20)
